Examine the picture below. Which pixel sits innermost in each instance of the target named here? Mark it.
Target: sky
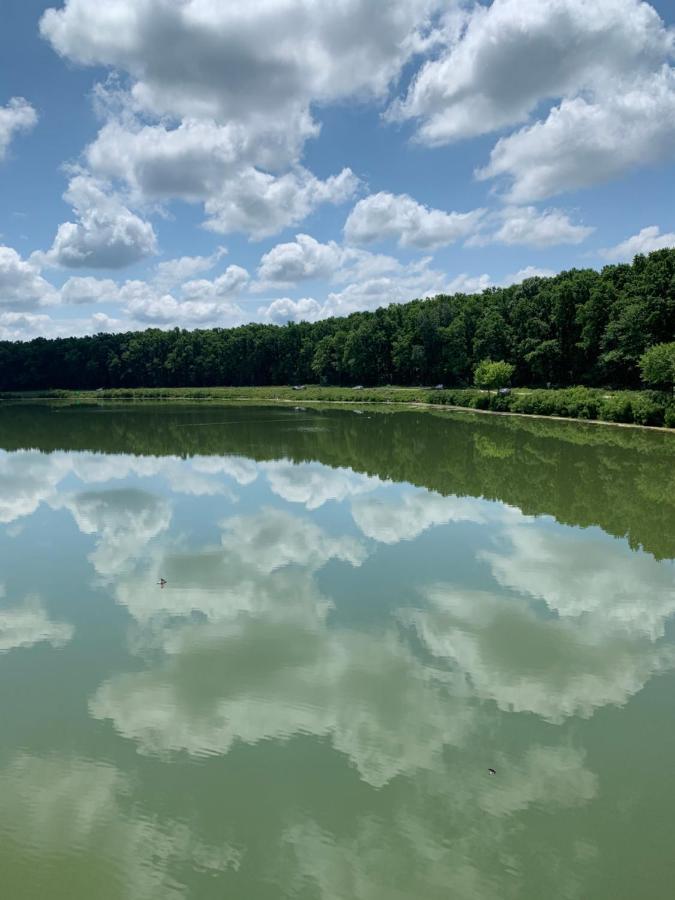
(200, 163)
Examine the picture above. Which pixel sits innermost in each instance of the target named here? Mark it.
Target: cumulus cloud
(414, 280)
(528, 226)
(200, 301)
(204, 59)
(261, 204)
(146, 307)
(607, 70)
(230, 283)
(87, 814)
(468, 284)
(21, 285)
(29, 624)
(233, 123)
(174, 272)
(17, 116)
(398, 217)
(312, 679)
(590, 670)
(237, 171)
(645, 241)
(314, 485)
(405, 517)
(78, 290)
(273, 539)
(442, 853)
(299, 260)
(283, 310)
(584, 142)
(528, 272)
(29, 479)
(124, 522)
(305, 259)
(513, 54)
(107, 234)
(398, 284)
(606, 583)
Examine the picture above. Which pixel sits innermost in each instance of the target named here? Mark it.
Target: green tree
(489, 375)
(657, 366)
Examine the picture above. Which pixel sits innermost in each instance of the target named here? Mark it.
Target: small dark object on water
(161, 582)
(492, 771)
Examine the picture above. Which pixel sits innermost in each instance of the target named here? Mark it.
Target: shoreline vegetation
(645, 409)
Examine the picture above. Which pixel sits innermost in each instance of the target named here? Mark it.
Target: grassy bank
(631, 407)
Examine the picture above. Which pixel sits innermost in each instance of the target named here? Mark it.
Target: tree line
(581, 327)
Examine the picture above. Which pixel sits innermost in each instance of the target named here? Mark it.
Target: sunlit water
(363, 613)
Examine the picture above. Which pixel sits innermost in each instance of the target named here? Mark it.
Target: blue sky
(200, 163)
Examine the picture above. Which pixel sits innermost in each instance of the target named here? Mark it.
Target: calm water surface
(363, 613)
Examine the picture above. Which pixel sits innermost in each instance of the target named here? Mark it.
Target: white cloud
(468, 284)
(273, 539)
(221, 166)
(283, 310)
(415, 280)
(314, 485)
(528, 272)
(405, 517)
(405, 283)
(442, 853)
(233, 122)
(398, 217)
(587, 141)
(88, 814)
(107, 234)
(513, 54)
(589, 671)
(299, 260)
(528, 226)
(16, 326)
(102, 322)
(124, 522)
(229, 284)
(605, 68)
(261, 204)
(195, 159)
(601, 580)
(21, 285)
(17, 116)
(174, 272)
(147, 308)
(313, 679)
(79, 290)
(645, 241)
(204, 59)
(29, 624)
(305, 259)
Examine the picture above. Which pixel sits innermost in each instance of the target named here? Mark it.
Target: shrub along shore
(645, 408)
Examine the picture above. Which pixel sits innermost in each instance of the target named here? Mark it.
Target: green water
(363, 613)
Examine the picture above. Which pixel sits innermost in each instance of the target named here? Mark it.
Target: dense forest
(580, 327)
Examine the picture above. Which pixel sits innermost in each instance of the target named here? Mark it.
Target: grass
(646, 408)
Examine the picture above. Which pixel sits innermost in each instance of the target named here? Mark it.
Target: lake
(364, 612)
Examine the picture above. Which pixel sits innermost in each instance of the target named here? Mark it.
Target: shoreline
(144, 395)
